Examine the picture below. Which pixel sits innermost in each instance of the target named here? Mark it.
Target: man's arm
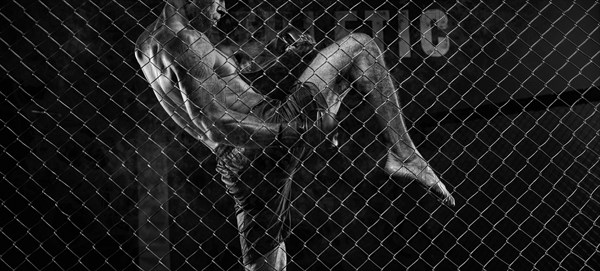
(217, 106)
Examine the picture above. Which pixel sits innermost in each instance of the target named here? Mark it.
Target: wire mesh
(500, 97)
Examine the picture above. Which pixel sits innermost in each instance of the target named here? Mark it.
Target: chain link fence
(500, 97)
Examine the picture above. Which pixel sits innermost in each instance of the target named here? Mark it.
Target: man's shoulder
(182, 41)
(190, 39)
(154, 34)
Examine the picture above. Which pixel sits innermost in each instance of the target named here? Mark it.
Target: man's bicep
(197, 93)
(201, 96)
(196, 77)
(192, 55)
(179, 115)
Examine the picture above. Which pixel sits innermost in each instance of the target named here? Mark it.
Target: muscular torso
(219, 87)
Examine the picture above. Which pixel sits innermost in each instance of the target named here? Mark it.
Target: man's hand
(298, 42)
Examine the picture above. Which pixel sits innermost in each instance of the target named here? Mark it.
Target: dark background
(96, 176)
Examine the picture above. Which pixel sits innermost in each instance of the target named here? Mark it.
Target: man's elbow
(212, 132)
(219, 133)
(215, 135)
(224, 134)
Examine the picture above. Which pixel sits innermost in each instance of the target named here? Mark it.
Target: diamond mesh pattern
(500, 97)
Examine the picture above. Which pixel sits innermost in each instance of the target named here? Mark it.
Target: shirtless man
(200, 87)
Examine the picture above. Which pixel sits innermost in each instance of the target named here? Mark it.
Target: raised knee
(362, 41)
(360, 37)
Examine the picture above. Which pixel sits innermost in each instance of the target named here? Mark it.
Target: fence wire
(500, 97)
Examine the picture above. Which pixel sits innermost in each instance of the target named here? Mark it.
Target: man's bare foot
(419, 169)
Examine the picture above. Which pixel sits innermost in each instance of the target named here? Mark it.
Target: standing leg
(357, 60)
(260, 183)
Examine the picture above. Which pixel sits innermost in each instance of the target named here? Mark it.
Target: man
(200, 87)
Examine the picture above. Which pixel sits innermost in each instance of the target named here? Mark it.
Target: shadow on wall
(529, 187)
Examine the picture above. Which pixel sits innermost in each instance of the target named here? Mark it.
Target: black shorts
(260, 179)
(260, 183)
